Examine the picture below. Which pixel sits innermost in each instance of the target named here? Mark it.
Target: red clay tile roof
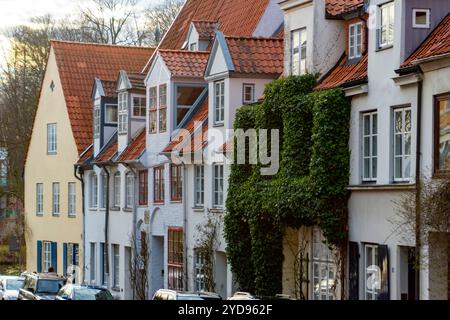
(206, 29)
(344, 73)
(109, 87)
(436, 44)
(108, 153)
(135, 148)
(338, 7)
(257, 55)
(201, 116)
(137, 80)
(78, 65)
(86, 155)
(186, 64)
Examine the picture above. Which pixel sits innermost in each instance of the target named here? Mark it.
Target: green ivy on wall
(309, 189)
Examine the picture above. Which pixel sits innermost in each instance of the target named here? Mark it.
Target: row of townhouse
(125, 114)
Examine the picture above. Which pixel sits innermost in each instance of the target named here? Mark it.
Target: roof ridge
(183, 51)
(253, 38)
(102, 44)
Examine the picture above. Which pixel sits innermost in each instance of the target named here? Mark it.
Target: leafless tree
(139, 267)
(160, 17)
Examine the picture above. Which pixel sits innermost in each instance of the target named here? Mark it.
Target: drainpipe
(185, 226)
(418, 185)
(106, 225)
(78, 169)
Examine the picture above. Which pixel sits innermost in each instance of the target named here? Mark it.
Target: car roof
(45, 276)
(80, 286)
(188, 293)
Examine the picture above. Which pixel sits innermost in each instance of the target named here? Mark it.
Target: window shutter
(39, 256)
(383, 264)
(353, 271)
(54, 256)
(64, 258)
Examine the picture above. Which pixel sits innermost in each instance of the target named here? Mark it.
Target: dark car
(41, 286)
(164, 294)
(83, 292)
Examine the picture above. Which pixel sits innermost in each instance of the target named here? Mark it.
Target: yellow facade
(48, 169)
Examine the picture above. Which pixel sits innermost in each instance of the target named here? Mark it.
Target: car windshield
(14, 284)
(91, 294)
(49, 286)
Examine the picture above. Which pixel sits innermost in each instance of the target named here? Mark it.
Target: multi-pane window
(51, 138)
(370, 146)
(402, 144)
(94, 191)
(324, 269)
(186, 96)
(129, 184)
(143, 188)
(163, 108)
(442, 137)
(248, 93)
(139, 107)
(218, 185)
(219, 101)
(104, 189)
(117, 190)
(175, 259)
(55, 197)
(158, 184)
(421, 18)
(355, 40)
(199, 185)
(386, 32)
(110, 113)
(72, 198)
(298, 52)
(371, 270)
(116, 265)
(40, 199)
(199, 265)
(93, 269)
(96, 121)
(152, 106)
(123, 112)
(176, 183)
(47, 255)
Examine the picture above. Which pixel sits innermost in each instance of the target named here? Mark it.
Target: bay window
(123, 112)
(163, 108)
(139, 107)
(152, 100)
(96, 121)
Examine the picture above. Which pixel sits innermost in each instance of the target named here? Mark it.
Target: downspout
(83, 208)
(418, 186)
(107, 225)
(185, 227)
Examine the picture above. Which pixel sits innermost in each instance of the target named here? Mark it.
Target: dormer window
(96, 120)
(186, 98)
(386, 32)
(421, 18)
(298, 52)
(123, 113)
(139, 105)
(355, 41)
(163, 108)
(152, 106)
(193, 47)
(111, 113)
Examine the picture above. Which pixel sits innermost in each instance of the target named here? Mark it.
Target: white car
(9, 287)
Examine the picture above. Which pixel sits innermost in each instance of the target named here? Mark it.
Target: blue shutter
(39, 256)
(55, 256)
(64, 258)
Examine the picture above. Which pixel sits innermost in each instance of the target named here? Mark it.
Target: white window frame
(72, 198)
(104, 189)
(299, 51)
(129, 190)
(39, 199)
(245, 86)
(404, 134)
(94, 191)
(374, 254)
(199, 272)
(56, 192)
(46, 256)
(193, 46)
(355, 35)
(218, 184)
(117, 180)
(123, 113)
(107, 106)
(116, 265)
(199, 185)
(96, 120)
(390, 34)
(219, 102)
(142, 107)
(427, 25)
(319, 262)
(372, 155)
(52, 139)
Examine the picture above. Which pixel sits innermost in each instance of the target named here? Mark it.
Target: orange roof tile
(186, 64)
(137, 80)
(201, 116)
(78, 65)
(436, 44)
(257, 55)
(135, 148)
(344, 74)
(338, 7)
(205, 29)
(109, 87)
(108, 153)
(86, 155)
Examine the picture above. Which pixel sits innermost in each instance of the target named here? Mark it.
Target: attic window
(186, 97)
(52, 86)
(421, 18)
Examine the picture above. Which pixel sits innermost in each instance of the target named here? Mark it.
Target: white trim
(427, 25)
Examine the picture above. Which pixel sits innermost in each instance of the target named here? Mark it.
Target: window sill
(114, 209)
(158, 203)
(143, 205)
(52, 153)
(176, 201)
(72, 216)
(56, 215)
(102, 209)
(384, 187)
(40, 215)
(198, 209)
(379, 49)
(93, 209)
(217, 210)
(116, 289)
(127, 210)
(218, 124)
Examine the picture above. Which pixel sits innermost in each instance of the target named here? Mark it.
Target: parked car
(41, 286)
(9, 287)
(164, 294)
(243, 296)
(83, 292)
